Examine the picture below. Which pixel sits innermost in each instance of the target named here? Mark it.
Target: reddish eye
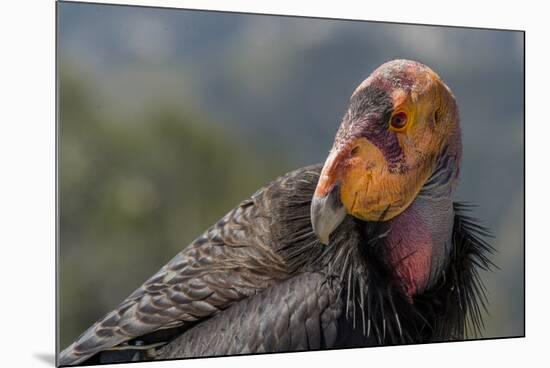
(399, 121)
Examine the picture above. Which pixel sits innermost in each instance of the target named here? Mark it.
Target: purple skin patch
(368, 114)
(386, 141)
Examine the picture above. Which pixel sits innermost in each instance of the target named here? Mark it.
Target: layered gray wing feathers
(297, 314)
(230, 261)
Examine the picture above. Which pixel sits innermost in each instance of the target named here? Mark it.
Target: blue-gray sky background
(170, 117)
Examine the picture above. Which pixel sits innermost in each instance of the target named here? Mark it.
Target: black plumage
(259, 281)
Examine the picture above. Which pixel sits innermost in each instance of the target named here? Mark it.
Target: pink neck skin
(410, 249)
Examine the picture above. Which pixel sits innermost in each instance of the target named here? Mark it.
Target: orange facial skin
(400, 121)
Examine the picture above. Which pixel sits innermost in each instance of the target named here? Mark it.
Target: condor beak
(326, 214)
(327, 211)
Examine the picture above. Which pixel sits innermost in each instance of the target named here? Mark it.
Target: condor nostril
(355, 151)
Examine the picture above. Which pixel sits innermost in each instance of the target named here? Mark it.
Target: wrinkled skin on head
(399, 123)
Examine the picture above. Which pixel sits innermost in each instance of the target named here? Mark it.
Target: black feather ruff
(375, 310)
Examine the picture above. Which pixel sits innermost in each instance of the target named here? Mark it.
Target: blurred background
(169, 118)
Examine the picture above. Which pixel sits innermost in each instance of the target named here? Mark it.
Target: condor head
(398, 123)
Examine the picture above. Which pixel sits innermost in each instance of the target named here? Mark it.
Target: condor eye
(398, 121)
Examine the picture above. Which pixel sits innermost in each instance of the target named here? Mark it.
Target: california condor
(367, 249)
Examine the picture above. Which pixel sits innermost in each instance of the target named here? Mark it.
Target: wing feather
(296, 314)
(227, 263)
(234, 259)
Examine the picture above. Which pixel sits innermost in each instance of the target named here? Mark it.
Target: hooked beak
(326, 214)
(327, 210)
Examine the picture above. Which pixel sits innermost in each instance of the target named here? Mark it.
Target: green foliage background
(134, 193)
